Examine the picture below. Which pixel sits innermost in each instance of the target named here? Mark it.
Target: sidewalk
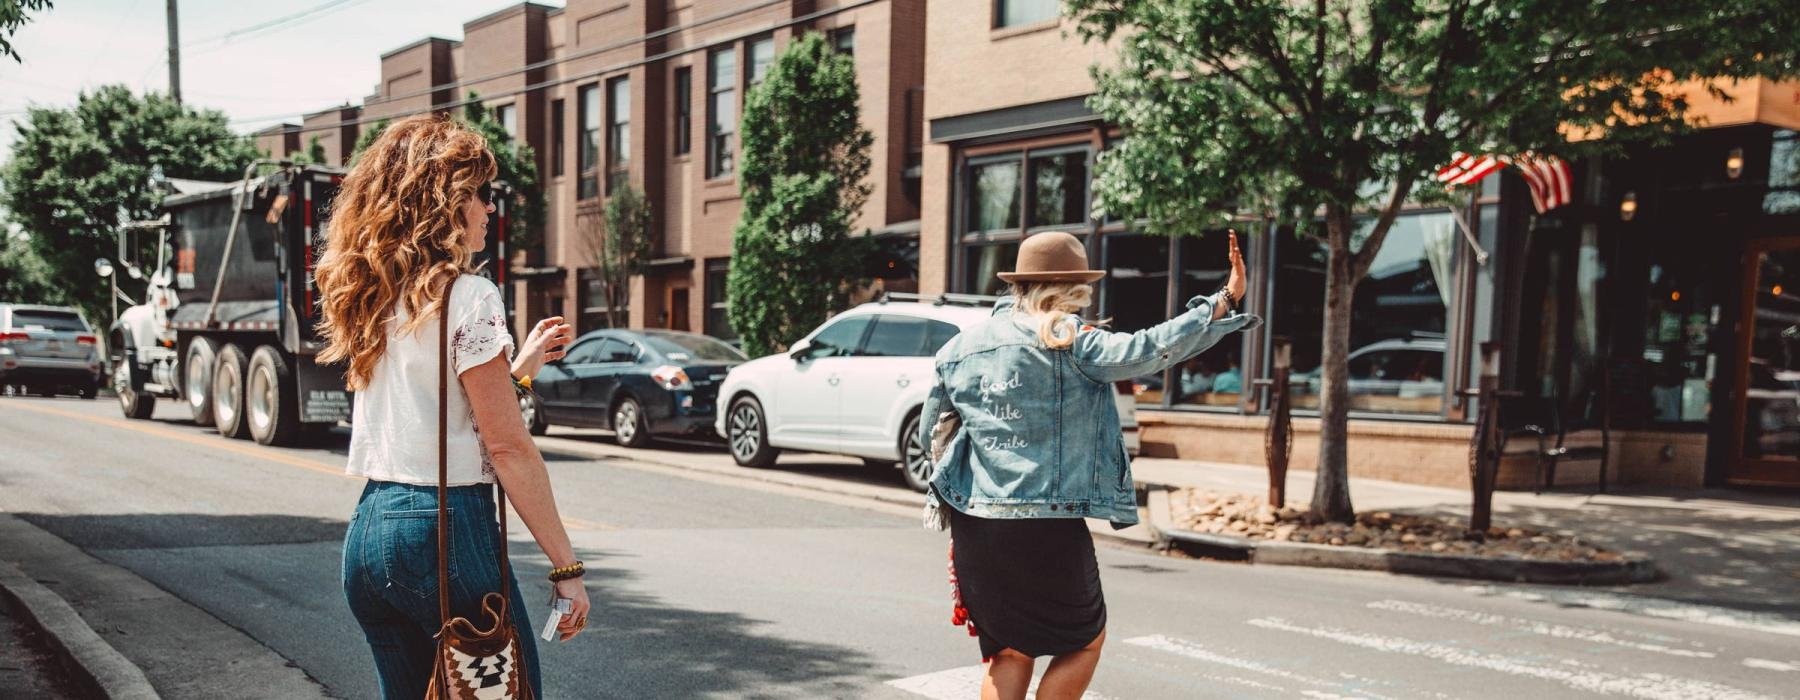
(1726, 548)
(27, 667)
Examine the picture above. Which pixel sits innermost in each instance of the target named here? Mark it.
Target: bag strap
(444, 480)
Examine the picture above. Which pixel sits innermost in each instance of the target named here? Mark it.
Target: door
(1767, 400)
(600, 383)
(891, 366)
(678, 309)
(806, 410)
(558, 384)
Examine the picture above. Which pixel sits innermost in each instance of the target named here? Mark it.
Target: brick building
(646, 94)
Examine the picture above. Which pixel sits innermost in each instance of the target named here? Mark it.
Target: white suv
(855, 386)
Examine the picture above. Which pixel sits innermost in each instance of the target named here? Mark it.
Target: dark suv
(47, 350)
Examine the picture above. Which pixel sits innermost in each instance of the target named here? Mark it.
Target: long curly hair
(396, 237)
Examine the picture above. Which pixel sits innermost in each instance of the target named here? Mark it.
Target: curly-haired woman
(1038, 449)
(406, 221)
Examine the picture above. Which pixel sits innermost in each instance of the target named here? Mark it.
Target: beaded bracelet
(564, 573)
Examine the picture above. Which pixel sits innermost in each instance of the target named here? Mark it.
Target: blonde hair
(396, 236)
(1052, 305)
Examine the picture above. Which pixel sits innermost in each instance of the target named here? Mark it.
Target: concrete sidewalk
(1738, 549)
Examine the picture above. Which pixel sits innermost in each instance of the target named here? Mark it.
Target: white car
(855, 386)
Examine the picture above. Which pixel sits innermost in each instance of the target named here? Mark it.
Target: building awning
(680, 262)
(537, 273)
(1753, 101)
(1014, 121)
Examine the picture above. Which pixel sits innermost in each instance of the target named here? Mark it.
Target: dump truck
(229, 320)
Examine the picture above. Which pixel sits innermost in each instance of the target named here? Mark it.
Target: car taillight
(671, 377)
(85, 340)
(14, 337)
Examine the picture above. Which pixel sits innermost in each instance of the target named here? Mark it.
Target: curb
(1624, 571)
(99, 670)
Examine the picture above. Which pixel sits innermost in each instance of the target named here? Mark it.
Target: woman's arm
(521, 471)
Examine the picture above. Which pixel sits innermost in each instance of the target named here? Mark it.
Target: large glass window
(762, 56)
(684, 110)
(994, 195)
(718, 323)
(618, 132)
(1214, 377)
(987, 261)
(1398, 316)
(1012, 13)
(1059, 189)
(1135, 295)
(1678, 332)
(587, 160)
(721, 111)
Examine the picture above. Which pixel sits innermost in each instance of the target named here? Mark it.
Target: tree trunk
(1331, 486)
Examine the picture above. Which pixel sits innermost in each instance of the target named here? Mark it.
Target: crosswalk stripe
(1769, 665)
(1195, 650)
(1702, 614)
(1654, 686)
(960, 684)
(1547, 629)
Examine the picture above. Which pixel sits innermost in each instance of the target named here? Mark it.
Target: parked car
(637, 383)
(855, 386)
(1398, 367)
(47, 350)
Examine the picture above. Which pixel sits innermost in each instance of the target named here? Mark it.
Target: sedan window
(586, 352)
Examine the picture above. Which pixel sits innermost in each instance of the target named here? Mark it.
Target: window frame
(558, 140)
(721, 155)
(587, 145)
(683, 86)
(618, 133)
(750, 78)
(837, 38)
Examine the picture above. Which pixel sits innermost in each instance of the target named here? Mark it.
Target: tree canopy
(803, 178)
(13, 15)
(1320, 114)
(75, 173)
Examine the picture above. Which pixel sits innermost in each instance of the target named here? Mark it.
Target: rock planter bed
(1237, 526)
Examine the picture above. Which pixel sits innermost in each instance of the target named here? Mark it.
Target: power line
(276, 24)
(623, 43)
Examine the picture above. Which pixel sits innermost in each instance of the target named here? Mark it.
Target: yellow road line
(222, 443)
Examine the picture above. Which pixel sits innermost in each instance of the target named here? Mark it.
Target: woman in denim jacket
(1029, 444)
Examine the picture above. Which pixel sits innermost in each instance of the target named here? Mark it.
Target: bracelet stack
(564, 573)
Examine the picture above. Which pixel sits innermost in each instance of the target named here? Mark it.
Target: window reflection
(994, 196)
(985, 263)
(1214, 377)
(1059, 189)
(1136, 293)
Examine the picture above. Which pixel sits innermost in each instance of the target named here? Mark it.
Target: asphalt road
(708, 584)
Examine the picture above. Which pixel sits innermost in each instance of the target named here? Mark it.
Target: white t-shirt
(393, 432)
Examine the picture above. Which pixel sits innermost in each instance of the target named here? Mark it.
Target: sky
(258, 79)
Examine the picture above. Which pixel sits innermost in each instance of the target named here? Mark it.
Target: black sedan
(637, 383)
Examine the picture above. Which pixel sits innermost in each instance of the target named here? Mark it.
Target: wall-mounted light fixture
(1734, 163)
(1628, 206)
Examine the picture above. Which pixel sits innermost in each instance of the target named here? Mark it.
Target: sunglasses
(485, 193)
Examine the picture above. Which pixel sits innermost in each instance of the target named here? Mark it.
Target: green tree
(366, 139)
(23, 275)
(313, 155)
(803, 178)
(1329, 115)
(518, 167)
(75, 173)
(618, 240)
(13, 15)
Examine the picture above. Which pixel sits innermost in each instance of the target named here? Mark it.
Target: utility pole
(174, 55)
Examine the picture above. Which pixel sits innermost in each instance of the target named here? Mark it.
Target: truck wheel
(228, 393)
(198, 368)
(135, 405)
(270, 399)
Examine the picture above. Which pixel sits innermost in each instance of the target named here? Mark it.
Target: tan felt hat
(1052, 256)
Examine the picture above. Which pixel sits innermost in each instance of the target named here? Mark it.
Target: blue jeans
(391, 577)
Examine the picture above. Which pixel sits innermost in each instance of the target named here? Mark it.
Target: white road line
(1783, 666)
(1547, 629)
(960, 684)
(1654, 686)
(1194, 650)
(1702, 614)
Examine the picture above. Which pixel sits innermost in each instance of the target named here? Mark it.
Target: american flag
(1547, 176)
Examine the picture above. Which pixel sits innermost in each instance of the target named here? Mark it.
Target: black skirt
(1030, 585)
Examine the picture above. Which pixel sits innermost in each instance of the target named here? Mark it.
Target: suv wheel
(915, 456)
(747, 433)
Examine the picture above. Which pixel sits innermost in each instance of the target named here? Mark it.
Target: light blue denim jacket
(1040, 434)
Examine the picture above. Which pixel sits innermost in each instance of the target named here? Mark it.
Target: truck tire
(271, 399)
(197, 374)
(134, 404)
(228, 393)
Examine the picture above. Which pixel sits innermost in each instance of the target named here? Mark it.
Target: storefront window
(1772, 394)
(1059, 185)
(1677, 333)
(1134, 295)
(994, 196)
(1398, 316)
(984, 263)
(1214, 377)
